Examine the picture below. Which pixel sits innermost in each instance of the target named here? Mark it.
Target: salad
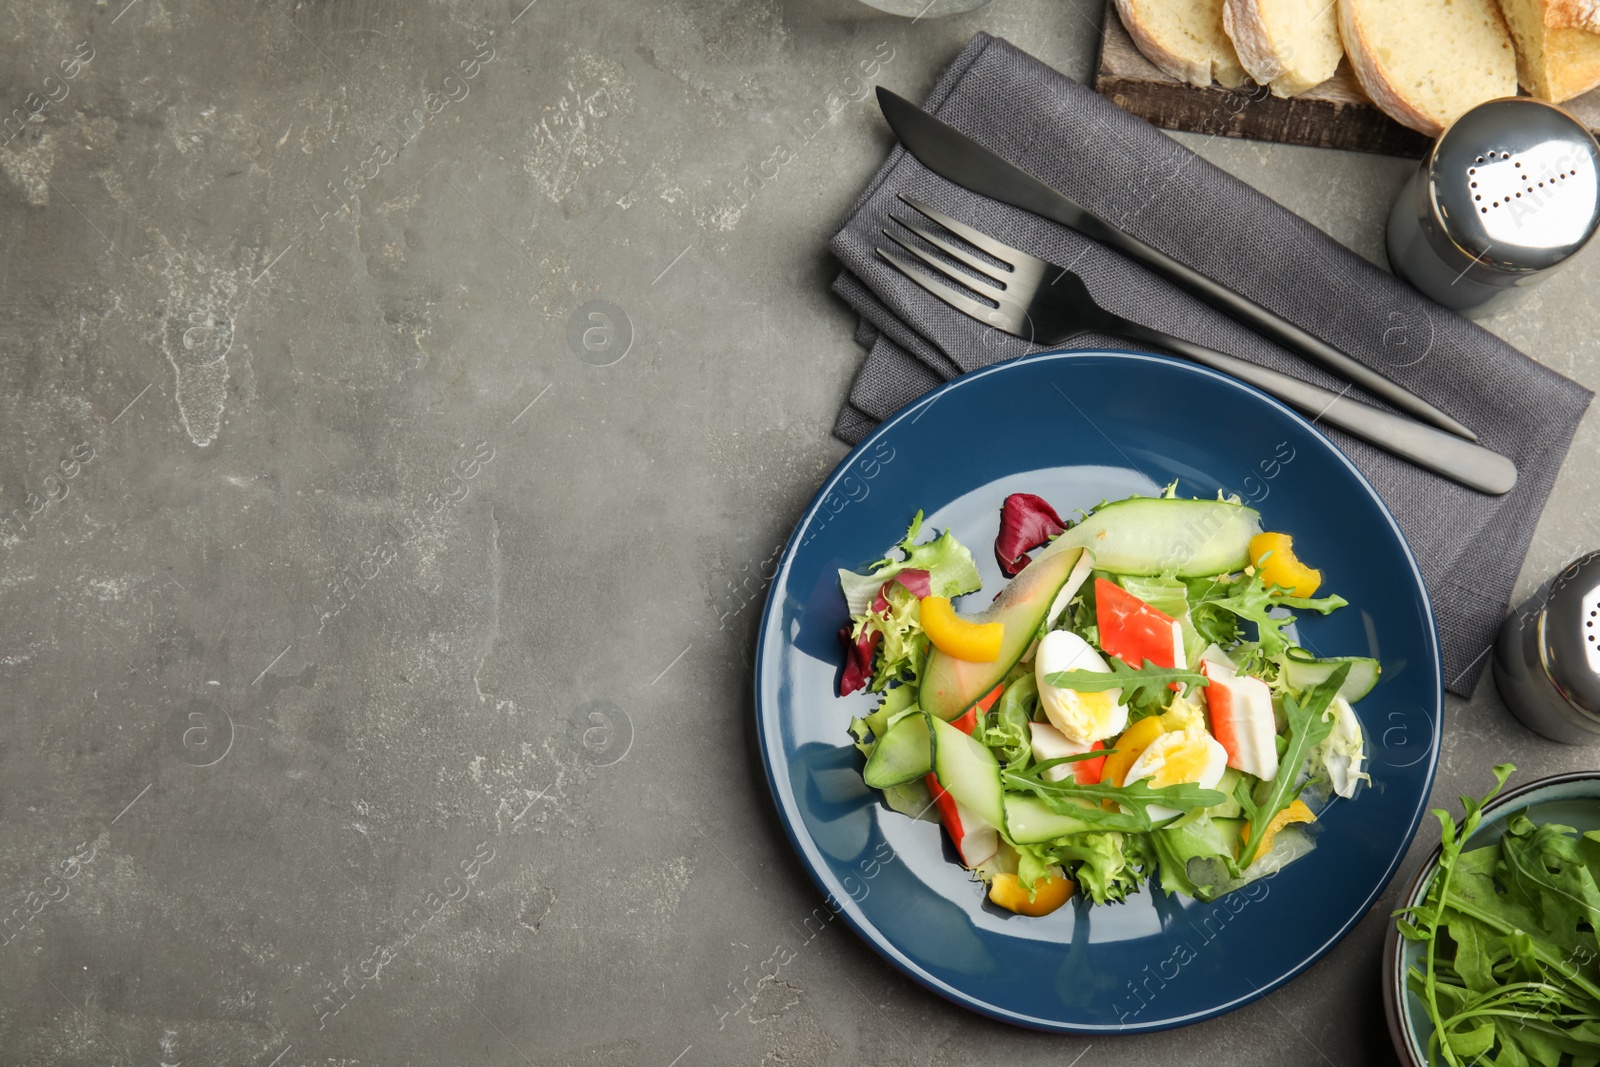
(1131, 706)
(1509, 970)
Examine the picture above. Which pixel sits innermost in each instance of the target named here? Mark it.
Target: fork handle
(1443, 453)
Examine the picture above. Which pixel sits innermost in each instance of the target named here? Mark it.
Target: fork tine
(1015, 257)
(982, 286)
(997, 317)
(949, 249)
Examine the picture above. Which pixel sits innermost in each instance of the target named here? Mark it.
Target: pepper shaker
(1509, 192)
(1547, 658)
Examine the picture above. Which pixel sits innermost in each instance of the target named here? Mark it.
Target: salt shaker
(1547, 658)
(1510, 192)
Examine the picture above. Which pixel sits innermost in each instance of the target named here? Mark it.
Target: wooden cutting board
(1336, 114)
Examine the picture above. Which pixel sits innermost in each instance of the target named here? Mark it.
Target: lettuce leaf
(859, 648)
(1005, 730)
(1194, 857)
(1106, 866)
(1341, 756)
(912, 799)
(951, 571)
(900, 698)
(1026, 522)
(898, 626)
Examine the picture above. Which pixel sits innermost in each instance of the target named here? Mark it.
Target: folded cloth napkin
(1470, 546)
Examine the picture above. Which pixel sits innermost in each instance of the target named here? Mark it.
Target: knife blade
(956, 157)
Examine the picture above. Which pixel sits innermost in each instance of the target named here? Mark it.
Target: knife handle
(1461, 461)
(1265, 322)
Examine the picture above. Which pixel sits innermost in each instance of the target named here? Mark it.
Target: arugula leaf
(1250, 599)
(1542, 865)
(1064, 796)
(1141, 683)
(1510, 967)
(1307, 725)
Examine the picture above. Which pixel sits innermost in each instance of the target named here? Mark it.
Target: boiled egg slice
(1190, 755)
(1082, 717)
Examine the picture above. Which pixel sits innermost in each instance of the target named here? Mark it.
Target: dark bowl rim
(1393, 981)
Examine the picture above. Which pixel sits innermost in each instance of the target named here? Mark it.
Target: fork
(1040, 302)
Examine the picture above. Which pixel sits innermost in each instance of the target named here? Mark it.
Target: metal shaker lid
(1569, 633)
(1516, 184)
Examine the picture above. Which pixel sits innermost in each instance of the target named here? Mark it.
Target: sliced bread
(1425, 62)
(1290, 45)
(1558, 45)
(1184, 38)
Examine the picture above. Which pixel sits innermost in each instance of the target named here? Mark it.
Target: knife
(956, 157)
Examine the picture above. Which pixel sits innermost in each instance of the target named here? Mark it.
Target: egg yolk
(1084, 717)
(1182, 763)
(1177, 758)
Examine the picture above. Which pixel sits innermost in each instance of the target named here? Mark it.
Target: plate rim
(847, 909)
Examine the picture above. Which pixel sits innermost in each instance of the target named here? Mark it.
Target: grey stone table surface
(398, 407)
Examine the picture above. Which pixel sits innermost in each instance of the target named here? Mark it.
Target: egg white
(1082, 717)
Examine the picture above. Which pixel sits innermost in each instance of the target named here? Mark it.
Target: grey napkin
(1470, 546)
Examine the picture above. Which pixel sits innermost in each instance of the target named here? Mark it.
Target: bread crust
(1572, 14)
(1577, 66)
(1264, 59)
(1370, 74)
(1170, 63)
(1225, 70)
(1242, 21)
(1558, 53)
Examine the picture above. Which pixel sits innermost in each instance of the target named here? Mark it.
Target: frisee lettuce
(1108, 866)
(905, 647)
(951, 571)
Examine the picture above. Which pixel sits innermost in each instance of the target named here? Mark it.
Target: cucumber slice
(1302, 670)
(950, 686)
(1156, 535)
(903, 755)
(968, 771)
(1030, 821)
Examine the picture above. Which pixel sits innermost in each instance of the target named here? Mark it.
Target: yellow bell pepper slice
(1049, 893)
(1282, 568)
(975, 642)
(1295, 812)
(1134, 740)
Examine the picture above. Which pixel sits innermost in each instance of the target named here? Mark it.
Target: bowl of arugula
(1494, 957)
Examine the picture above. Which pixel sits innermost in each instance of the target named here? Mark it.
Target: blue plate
(1077, 428)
